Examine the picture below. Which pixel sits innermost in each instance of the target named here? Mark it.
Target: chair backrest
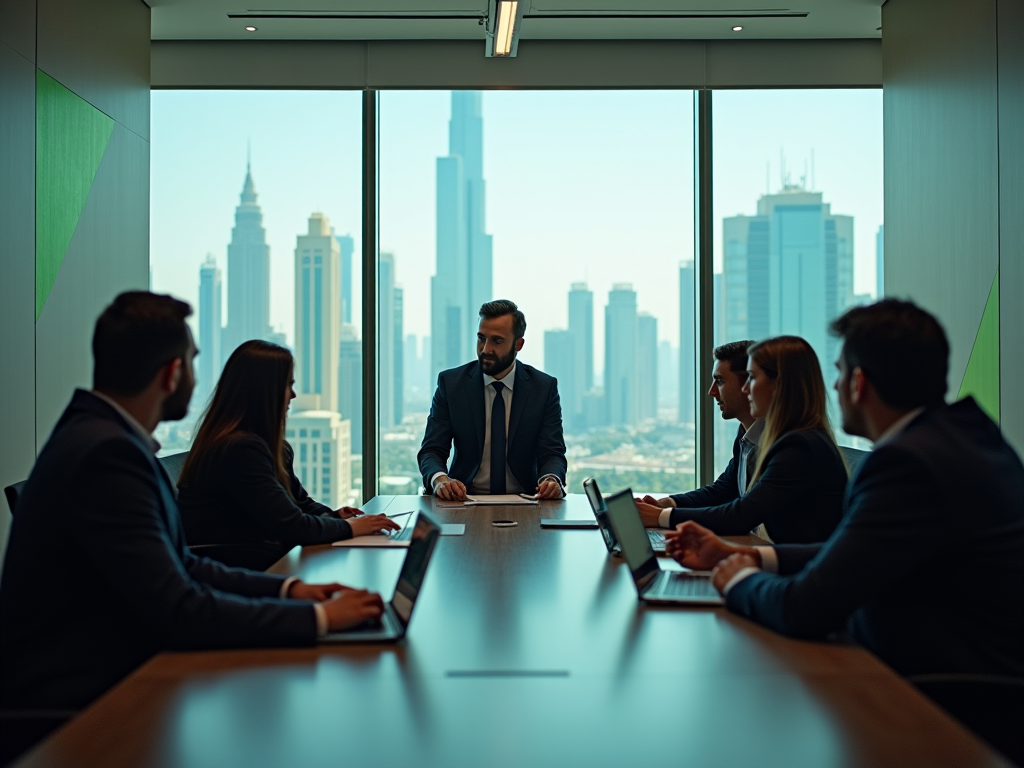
(173, 464)
(12, 492)
(853, 457)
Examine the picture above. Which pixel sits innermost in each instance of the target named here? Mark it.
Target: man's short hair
(135, 337)
(735, 354)
(502, 307)
(901, 348)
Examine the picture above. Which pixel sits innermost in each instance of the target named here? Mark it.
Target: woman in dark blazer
(238, 484)
(797, 486)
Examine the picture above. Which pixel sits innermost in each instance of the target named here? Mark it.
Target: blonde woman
(796, 488)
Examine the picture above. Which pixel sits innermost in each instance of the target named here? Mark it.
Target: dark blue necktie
(498, 440)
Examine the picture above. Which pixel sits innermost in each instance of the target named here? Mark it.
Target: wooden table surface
(527, 648)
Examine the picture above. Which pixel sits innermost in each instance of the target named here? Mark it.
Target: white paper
(508, 499)
(453, 529)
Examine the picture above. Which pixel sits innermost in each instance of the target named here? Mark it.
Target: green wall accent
(71, 137)
(981, 379)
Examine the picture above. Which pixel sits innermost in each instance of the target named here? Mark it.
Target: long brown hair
(798, 401)
(250, 397)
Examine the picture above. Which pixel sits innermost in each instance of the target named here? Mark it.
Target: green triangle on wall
(981, 379)
(71, 137)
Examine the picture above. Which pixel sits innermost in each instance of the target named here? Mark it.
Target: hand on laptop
(694, 546)
(346, 512)
(649, 513)
(663, 503)
(449, 490)
(361, 526)
(350, 607)
(725, 570)
(300, 590)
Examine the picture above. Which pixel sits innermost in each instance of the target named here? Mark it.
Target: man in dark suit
(926, 569)
(97, 576)
(727, 380)
(503, 416)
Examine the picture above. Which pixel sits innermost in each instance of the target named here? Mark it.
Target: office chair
(853, 457)
(12, 492)
(992, 706)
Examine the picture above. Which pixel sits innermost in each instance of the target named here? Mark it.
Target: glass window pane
(798, 217)
(576, 205)
(255, 220)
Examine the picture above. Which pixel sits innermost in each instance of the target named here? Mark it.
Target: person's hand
(366, 524)
(549, 489)
(694, 546)
(449, 490)
(722, 573)
(346, 512)
(650, 514)
(663, 503)
(299, 590)
(350, 607)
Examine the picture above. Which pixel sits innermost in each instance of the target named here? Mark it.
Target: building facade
(321, 441)
(317, 316)
(210, 330)
(248, 273)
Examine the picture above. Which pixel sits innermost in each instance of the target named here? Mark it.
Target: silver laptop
(654, 585)
(657, 538)
(394, 622)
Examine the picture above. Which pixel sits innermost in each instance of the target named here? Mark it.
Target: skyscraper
(350, 383)
(386, 335)
(323, 455)
(348, 248)
(463, 275)
(317, 316)
(581, 325)
(647, 367)
(687, 344)
(210, 331)
(559, 361)
(620, 357)
(398, 358)
(248, 273)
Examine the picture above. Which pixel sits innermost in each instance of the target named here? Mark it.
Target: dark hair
(901, 348)
(250, 397)
(735, 354)
(501, 307)
(136, 336)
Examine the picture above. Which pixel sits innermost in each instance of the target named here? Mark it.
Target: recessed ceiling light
(737, 29)
(250, 29)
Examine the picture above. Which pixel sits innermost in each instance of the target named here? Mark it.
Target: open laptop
(657, 538)
(394, 622)
(654, 585)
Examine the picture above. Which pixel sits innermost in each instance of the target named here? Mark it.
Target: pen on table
(400, 514)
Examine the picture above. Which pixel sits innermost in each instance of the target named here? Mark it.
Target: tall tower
(386, 396)
(687, 344)
(350, 383)
(248, 273)
(210, 362)
(348, 248)
(463, 278)
(647, 367)
(398, 358)
(620, 358)
(581, 326)
(317, 316)
(559, 347)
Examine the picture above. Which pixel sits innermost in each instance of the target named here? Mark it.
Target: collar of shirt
(897, 427)
(147, 438)
(509, 380)
(753, 435)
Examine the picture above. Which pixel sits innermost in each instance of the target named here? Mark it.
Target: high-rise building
(880, 262)
(687, 344)
(668, 374)
(398, 356)
(646, 367)
(620, 357)
(321, 441)
(559, 361)
(210, 330)
(581, 325)
(248, 273)
(317, 316)
(787, 270)
(350, 383)
(386, 334)
(463, 275)
(348, 247)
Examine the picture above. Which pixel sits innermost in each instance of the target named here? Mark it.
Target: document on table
(372, 540)
(504, 500)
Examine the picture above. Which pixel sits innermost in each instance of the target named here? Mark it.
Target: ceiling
(543, 19)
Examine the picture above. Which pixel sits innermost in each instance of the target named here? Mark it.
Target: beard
(493, 365)
(175, 407)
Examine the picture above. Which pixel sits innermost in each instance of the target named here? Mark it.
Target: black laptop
(657, 538)
(654, 585)
(394, 622)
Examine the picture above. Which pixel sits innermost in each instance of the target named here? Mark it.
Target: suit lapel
(475, 383)
(520, 396)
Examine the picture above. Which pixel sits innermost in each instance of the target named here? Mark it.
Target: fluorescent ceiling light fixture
(504, 20)
(737, 29)
(250, 28)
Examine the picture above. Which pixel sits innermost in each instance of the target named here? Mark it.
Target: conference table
(527, 647)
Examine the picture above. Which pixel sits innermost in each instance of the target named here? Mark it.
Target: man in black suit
(503, 416)
(926, 569)
(97, 576)
(727, 380)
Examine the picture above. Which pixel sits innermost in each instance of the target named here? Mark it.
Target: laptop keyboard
(657, 539)
(684, 585)
(403, 535)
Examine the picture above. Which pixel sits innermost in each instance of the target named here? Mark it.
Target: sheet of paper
(506, 499)
(371, 540)
(453, 529)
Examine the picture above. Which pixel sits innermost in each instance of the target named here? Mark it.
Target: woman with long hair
(796, 487)
(238, 485)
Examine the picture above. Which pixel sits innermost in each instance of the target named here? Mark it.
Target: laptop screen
(600, 511)
(629, 530)
(417, 557)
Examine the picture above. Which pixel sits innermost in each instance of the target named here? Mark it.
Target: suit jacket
(98, 578)
(926, 568)
(239, 499)
(798, 497)
(535, 446)
(725, 489)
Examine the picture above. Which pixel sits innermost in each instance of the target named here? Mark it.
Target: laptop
(654, 585)
(657, 538)
(394, 621)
